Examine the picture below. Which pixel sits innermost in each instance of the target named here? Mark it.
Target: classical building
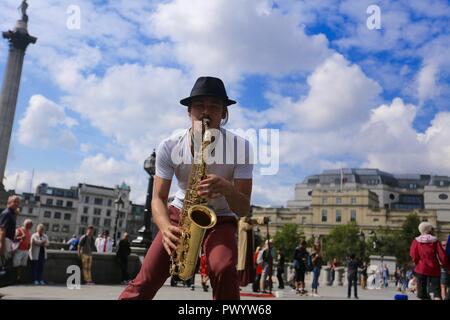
(65, 212)
(368, 197)
(394, 191)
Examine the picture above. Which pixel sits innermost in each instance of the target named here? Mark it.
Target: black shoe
(356, 298)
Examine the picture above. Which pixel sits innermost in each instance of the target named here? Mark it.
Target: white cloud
(45, 124)
(232, 38)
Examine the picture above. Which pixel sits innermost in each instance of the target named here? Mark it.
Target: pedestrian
(352, 276)
(104, 244)
(444, 277)
(364, 275)
(6, 251)
(264, 257)
(385, 276)
(258, 270)
(316, 259)
(299, 260)
(204, 273)
(226, 187)
(38, 254)
(73, 243)
(333, 266)
(280, 268)
(9, 216)
(20, 258)
(85, 249)
(123, 251)
(428, 254)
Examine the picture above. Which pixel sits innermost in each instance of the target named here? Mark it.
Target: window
(69, 204)
(353, 200)
(97, 211)
(353, 215)
(324, 200)
(65, 228)
(46, 226)
(120, 223)
(81, 230)
(441, 183)
(107, 222)
(443, 196)
(86, 199)
(338, 216)
(67, 216)
(109, 202)
(84, 220)
(98, 201)
(85, 210)
(413, 186)
(57, 215)
(30, 210)
(108, 213)
(47, 214)
(55, 228)
(303, 220)
(49, 202)
(376, 219)
(59, 203)
(338, 200)
(96, 221)
(324, 215)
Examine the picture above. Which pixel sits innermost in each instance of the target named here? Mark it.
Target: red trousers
(220, 247)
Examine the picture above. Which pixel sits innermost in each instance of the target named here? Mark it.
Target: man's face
(14, 204)
(207, 106)
(89, 232)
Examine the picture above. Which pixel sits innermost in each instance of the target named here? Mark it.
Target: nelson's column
(19, 39)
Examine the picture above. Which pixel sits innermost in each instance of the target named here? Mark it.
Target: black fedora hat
(208, 86)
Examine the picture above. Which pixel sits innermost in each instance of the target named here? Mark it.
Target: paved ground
(111, 292)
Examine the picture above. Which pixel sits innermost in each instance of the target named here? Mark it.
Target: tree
(342, 241)
(287, 238)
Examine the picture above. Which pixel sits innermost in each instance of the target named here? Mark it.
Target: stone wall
(105, 268)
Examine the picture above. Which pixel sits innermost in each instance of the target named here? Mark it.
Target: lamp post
(118, 204)
(146, 230)
(362, 239)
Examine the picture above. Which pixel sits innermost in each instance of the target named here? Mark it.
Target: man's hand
(214, 186)
(170, 238)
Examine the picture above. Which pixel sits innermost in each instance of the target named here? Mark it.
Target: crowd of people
(20, 247)
(429, 279)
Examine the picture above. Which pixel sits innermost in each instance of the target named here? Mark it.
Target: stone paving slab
(111, 292)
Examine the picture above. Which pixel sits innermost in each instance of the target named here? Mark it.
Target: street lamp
(362, 239)
(118, 204)
(146, 230)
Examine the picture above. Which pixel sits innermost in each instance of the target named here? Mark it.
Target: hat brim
(187, 101)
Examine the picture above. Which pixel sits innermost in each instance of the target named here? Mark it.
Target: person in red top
(20, 258)
(204, 272)
(428, 255)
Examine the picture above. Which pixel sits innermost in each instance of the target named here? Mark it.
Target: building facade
(329, 208)
(65, 212)
(394, 191)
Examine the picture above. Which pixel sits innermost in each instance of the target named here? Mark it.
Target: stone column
(19, 39)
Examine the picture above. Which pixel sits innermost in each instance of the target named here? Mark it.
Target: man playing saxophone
(227, 188)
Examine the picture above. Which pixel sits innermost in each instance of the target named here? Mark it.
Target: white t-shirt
(232, 161)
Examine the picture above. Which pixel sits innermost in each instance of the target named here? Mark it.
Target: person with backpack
(300, 260)
(73, 243)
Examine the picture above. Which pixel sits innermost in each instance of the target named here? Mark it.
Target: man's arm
(160, 212)
(237, 193)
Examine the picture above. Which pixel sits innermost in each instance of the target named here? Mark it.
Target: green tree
(397, 242)
(342, 241)
(287, 238)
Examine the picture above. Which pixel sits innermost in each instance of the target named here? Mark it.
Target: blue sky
(96, 100)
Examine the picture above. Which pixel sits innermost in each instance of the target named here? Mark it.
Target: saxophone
(195, 217)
